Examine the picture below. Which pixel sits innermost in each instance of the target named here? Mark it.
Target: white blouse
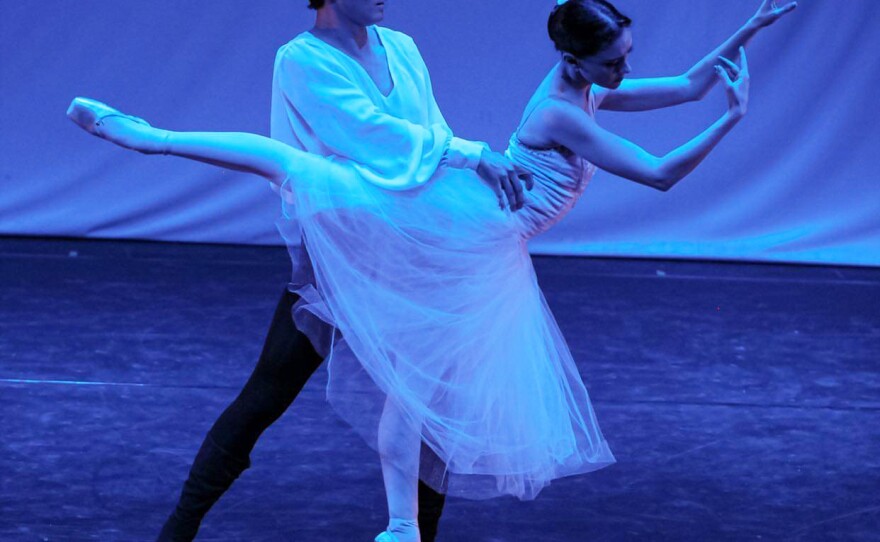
(325, 103)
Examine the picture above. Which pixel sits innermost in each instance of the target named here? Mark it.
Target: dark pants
(286, 363)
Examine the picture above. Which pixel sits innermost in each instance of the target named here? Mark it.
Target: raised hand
(505, 178)
(770, 12)
(736, 82)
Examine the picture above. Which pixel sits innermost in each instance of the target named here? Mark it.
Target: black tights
(286, 363)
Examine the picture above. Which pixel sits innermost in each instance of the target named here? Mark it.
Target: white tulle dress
(419, 289)
(428, 297)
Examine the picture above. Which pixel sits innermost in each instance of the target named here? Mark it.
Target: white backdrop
(793, 182)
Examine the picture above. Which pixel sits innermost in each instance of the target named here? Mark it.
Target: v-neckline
(361, 66)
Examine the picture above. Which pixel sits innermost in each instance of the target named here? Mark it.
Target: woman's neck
(570, 88)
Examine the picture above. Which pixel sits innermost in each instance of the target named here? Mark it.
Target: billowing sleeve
(388, 151)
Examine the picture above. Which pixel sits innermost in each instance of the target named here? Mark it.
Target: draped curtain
(793, 182)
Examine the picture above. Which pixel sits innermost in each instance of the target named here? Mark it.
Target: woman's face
(608, 67)
(361, 12)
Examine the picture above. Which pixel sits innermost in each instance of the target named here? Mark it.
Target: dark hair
(585, 27)
(316, 4)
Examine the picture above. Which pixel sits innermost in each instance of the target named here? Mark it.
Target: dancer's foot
(126, 131)
(400, 530)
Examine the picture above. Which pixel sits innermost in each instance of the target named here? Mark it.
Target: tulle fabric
(428, 298)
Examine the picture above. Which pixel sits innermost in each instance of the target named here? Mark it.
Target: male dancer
(342, 89)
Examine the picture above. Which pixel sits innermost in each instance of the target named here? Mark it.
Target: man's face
(361, 12)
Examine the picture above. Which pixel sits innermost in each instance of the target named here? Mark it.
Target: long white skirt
(428, 297)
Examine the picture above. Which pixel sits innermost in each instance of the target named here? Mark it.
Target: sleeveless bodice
(560, 177)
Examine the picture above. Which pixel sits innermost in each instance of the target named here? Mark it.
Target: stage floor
(741, 402)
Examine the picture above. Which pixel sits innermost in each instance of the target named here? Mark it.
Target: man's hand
(505, 178)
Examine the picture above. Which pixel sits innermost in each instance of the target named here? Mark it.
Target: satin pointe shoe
(89, 115)
(400, 530)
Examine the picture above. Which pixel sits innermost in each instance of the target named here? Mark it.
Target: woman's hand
(736, 82)
(769, 12)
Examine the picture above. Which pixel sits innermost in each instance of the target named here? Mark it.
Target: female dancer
(445, 337)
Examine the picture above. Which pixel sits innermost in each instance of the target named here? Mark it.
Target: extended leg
(225, 450)
(236, 150)
(286, 363)
(232, 150)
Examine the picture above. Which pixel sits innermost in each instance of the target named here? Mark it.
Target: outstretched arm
(655, 93)
(577, 131)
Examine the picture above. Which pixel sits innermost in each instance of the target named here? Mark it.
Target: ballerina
(480, 374)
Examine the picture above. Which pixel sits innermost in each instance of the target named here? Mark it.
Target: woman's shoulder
(536, 129)
(552, 110)
(548, 118)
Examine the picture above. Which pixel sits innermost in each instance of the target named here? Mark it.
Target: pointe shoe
(407, 529)
(89, 114)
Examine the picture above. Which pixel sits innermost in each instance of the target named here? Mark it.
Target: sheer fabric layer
(428, 298)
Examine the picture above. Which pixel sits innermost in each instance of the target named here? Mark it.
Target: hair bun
(583, 27)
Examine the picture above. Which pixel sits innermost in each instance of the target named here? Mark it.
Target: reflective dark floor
(741, 401)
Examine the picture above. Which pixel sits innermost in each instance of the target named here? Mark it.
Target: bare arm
(577, 131)
(655, 93)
